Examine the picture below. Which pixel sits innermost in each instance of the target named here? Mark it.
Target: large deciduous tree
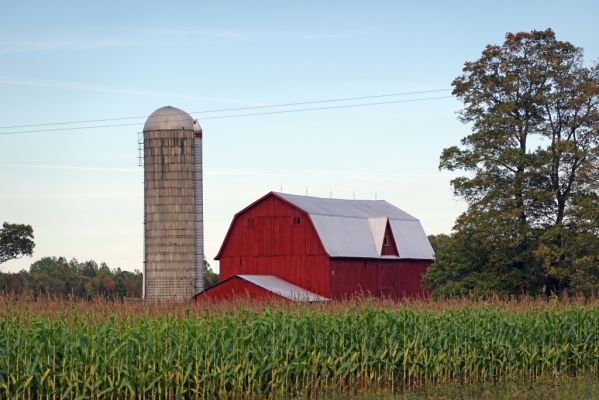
(532, 171)
(16, 240)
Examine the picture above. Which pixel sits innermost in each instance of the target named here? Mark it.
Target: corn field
(282, 351)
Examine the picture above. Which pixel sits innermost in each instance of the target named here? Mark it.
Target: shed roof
(282, 288)
(355, 228)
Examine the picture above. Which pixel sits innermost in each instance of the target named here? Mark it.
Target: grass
(241, 349)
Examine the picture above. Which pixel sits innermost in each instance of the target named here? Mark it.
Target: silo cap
(169, 118)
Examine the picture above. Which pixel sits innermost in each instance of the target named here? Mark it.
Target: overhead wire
(328, 107)
(233, 109)
(234, 115)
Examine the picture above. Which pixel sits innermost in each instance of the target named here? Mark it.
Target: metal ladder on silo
(140, 149)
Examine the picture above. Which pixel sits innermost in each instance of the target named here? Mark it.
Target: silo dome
(169, 118)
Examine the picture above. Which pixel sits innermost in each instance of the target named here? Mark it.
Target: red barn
(309, 248)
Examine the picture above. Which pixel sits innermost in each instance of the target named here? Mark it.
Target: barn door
(386, 279)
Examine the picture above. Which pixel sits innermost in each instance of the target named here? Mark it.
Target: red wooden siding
(379, 278)
(235, 288)
(389, 246)
(266, 239)
(409, 278)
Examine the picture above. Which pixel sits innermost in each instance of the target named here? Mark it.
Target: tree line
(57, 277)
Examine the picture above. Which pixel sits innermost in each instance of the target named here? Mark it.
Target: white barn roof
(282, 288)
(355, 228)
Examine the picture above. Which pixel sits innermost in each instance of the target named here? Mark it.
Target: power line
(235, 115)
(329, 107)
(234, 109)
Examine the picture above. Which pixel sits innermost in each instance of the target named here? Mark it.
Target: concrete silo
(173, 206)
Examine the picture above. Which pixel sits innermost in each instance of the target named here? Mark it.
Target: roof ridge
(330, 199)
(359, 217)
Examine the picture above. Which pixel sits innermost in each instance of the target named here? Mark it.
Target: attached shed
(260, 287)
(332, 248)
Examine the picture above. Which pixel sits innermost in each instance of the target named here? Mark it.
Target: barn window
(386, 242)
(296, 220)
(251, 222)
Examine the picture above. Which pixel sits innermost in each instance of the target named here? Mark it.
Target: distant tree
(16, 240)
(439, 241)
(211, 278)
(50, 265)
(532, 163)
(14, 283)
(133, 282)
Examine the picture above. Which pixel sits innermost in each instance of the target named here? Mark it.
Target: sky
(82, 191)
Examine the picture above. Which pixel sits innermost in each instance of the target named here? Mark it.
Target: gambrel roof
(356, 228)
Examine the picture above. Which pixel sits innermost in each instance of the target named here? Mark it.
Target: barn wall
(409, 278)
(264, 240)
(378, 278)
(235, 288)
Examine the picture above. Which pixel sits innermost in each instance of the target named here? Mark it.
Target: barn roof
(282, 288)
(355, 228)
(269, 283)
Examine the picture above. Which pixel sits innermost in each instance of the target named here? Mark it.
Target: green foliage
(211, 278)
(276, 353)
(52, 276)
(16, 241)
(532, 163)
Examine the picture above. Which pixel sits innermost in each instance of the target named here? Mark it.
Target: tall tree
(532, 160)
(16, 240)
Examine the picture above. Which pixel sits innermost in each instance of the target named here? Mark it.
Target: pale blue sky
(66, 61)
